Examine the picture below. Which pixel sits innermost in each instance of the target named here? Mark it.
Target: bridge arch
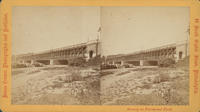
(91, 54)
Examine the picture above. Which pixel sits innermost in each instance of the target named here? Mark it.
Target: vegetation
(95, 61)
(19, 65)
(80, 61)
(167, 62)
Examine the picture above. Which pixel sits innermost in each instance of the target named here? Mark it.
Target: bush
(17, 65)
(106, 73)
(167, 62)
(77, 62)
(161, 78)
(76, 76)
(95, 61)
(38, 64)
(107, 66)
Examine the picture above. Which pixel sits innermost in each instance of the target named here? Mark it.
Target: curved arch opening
(91, 54)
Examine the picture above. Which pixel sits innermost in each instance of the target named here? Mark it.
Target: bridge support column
(141, 62)
(122, 62)
(22, 61)
(32, 62)
(51, 62)
(113, 62)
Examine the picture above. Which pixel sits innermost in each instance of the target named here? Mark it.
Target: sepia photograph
(146, 56)
(92, 55)
(56, 56)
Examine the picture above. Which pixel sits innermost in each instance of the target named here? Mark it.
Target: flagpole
(97, 45)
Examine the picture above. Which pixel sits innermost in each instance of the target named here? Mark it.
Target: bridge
(62, 55)
(175, 51)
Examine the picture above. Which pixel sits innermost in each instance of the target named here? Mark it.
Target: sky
(37, 29)
(123, 29)
(129, 29)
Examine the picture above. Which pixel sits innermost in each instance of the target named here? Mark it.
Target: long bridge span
(175, 51)
(86, 50)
